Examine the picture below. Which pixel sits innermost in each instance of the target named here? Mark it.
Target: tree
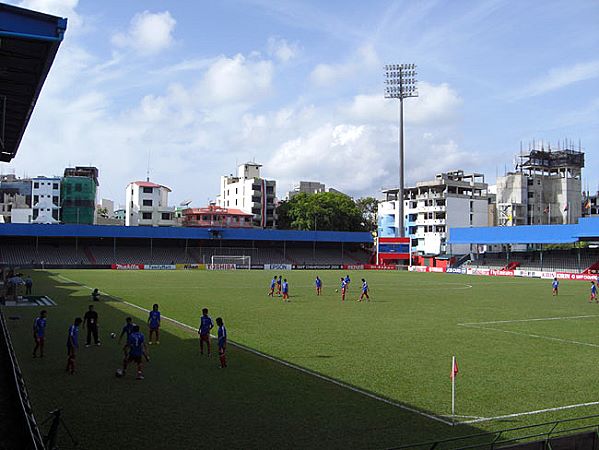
(369, 206)
(322, 211)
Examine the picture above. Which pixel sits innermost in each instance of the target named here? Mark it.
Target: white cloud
(148, 33)
(236, 79)
(282, 50)
(558, 78)
(327, 74)
(435, 105)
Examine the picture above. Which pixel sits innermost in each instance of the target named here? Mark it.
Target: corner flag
(454, 368)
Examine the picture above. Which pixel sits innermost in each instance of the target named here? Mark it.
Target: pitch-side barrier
(546, 275)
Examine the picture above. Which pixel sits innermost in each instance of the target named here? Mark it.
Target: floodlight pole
(401, 172)
(401, 83)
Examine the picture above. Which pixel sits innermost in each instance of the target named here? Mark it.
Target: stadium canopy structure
(587, 229)
(118, 232)
(28, 44)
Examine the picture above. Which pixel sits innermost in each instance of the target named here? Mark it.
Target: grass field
(519, 351)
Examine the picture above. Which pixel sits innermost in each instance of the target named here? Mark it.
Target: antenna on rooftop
(148, 168)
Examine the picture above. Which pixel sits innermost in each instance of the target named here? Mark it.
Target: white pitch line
(287, 364)
(528, 320)
(528, 413)
(536, 336)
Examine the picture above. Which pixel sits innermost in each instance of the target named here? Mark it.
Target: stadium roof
(28, 44)
(586, 229)
(247, 234)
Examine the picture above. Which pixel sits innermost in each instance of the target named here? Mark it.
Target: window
(36, 199)
(35, 214)
(147, 190)
(55, 214)
(36, 185)
(166, 216)
(146, 216)
(55, 199)
(235, 202)
(147, 202)
(55, 186)
(235, 190)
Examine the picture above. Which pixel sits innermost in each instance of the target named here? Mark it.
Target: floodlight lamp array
(400, 81)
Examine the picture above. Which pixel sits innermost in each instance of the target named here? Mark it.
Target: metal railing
(35, 439)
(503, 438)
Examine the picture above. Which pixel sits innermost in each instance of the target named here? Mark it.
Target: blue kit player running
(39, 333)
(206, 325)
(222, 342)
(593, 292)
(273, 282)
(134, 349)
(154, 323)
(73, 344)
(364, 291)
(555, 287)
(279, 284)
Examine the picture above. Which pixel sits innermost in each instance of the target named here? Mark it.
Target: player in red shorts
(364, 293)
(206, 325)
(285, 290)
(318, 284)
(343, 287)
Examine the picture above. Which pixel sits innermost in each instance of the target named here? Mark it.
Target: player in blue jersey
(364, 293)
(279, 284)
(593, 292)
(343, 287)
(222, 342)
(347, 282)
(318, 284)
(273, 282)
(134, 349)
(154, 324)
(285, 288)
(39, 333)
(73, 344)
(206, 325)
(127, 329)
(555, 287)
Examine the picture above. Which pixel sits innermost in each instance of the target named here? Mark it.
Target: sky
(190, 89)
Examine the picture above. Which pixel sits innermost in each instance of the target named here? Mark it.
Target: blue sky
(196, 87)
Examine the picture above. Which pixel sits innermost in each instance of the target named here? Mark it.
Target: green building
(78, 195)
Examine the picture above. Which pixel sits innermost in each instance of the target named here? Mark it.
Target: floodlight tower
(400, 82)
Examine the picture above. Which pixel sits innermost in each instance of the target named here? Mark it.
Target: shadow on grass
(186, 401)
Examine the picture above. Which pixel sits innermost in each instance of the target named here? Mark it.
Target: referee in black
(91, 320)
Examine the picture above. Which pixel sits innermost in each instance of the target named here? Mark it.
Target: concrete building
(310, 187)
(78, 195)
(431, 208)
(216, 216)
(250, 193)
(590, 205)
(545, 188)
(15, 200)
(147, 205)
(45, 193)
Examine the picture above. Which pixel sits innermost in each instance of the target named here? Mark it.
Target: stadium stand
(568, 260)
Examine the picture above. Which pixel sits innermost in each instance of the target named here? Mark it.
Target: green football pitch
(314, 372)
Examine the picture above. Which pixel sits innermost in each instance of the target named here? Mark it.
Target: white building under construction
(431, 208)
(545, 188)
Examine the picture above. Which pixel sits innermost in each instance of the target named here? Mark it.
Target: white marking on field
(284, 363)
(529, 320)
(538, 336)
(528, 413)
